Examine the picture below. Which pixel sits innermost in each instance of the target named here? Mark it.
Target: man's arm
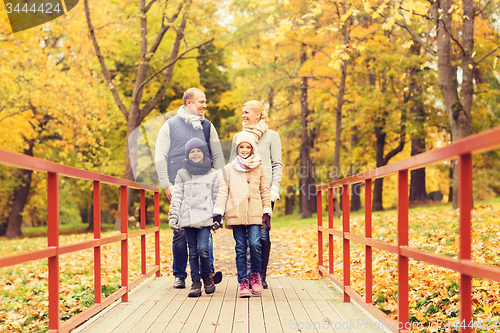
(233, 148)
(216, 149)
(161, 157)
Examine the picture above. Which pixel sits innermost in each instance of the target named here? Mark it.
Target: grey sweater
(194, 198)
(269, 149)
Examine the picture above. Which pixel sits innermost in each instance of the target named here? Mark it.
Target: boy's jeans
(180, 254)
(251, 234)
(199, 245)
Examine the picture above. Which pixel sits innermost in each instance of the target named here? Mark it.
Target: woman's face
(196, 155)
(245, 149)
(250, 117)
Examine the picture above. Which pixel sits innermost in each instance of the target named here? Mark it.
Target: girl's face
(196, 155)
(250, 117)
(245, 149)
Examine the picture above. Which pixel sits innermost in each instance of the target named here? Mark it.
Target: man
(172, 138)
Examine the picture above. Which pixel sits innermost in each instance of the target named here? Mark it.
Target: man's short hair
(189, 94)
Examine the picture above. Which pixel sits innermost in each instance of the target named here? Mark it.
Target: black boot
(208, 282)
(195, 289)
(266, 250)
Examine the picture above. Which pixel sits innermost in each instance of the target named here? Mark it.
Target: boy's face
(245, 149)
(196, 155)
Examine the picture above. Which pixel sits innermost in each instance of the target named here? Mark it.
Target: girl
(245, 197)
(193, 198)
(255, 121)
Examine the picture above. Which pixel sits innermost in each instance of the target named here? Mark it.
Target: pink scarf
(246, 164)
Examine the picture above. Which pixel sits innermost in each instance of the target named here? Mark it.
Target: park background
(349, 86)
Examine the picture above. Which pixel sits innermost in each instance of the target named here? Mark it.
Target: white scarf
(257, 130)
(190, 119)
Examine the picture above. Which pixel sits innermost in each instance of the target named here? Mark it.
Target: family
(203, 192)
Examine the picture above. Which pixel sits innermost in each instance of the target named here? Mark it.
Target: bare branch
(416, 37)
(109, 23)
(149, 6)
(163, 31)
(488, 54)
(484, 7)
(175, 60)
(368, 34)
(105, 70)
(170, 70)
(13, 114)
(311, 46)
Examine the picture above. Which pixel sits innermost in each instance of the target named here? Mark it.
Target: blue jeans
(247, 236)
(199, 245)
(180, 254)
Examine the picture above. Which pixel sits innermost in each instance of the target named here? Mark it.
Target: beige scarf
(257, 130)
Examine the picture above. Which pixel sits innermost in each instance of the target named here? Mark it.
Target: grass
(64, 229)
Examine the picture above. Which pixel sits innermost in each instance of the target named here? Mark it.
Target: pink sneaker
(256, 284)
(244, 291)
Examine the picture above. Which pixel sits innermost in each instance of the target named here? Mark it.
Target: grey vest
(180, 134)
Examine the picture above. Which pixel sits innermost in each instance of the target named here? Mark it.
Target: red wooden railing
(461, 150)
(54, 250)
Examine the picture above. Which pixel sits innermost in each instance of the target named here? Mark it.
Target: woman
(269, 148)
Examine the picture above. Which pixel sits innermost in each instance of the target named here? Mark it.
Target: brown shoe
(208, 282)
(195, 289)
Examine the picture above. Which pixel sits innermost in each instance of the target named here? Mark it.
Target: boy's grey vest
(180, 134)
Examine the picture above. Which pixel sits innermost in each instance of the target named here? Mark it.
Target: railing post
(319, 200)
(465, 204)
(97, 249)
(53, 241)
(368, 249)
(157, 233)
(330, 226)
(124, 243)
(403, 308)
(143, 237)
(346, 242)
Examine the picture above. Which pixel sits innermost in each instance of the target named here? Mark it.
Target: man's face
(197, 105)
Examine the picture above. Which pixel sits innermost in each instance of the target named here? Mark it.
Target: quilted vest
(180, 134)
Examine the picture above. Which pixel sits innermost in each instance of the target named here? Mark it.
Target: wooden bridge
(290, 304)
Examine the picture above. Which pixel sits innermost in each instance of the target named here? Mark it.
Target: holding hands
(217, 222)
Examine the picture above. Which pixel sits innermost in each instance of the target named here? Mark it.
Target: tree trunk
(356, 188)
(418, 192)
(378, 185)
(338, 115)
(304, 152)
(458, 110)
(20, 199)
(356, 197)
(384, 160)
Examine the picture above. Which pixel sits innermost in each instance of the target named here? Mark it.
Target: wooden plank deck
(289, 305)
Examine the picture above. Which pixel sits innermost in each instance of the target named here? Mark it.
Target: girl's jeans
(247, 236)
(199, 246)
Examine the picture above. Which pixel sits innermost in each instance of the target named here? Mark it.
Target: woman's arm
(265, 192)
(277, 166)
(233, 149)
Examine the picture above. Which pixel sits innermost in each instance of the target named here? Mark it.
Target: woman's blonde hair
(257, 107)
